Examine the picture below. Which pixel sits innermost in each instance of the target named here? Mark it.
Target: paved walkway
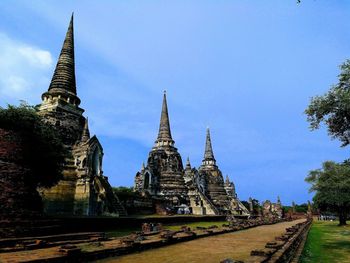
(235, 245)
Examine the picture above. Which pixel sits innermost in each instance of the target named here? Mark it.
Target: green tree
(256, 205)
(331, 185)
(44, 151)
(35, 148)
(125, 193)
(333, 108)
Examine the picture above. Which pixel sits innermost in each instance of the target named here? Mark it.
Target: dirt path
(235, 245)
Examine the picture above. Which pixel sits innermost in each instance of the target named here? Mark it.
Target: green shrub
(43, 150)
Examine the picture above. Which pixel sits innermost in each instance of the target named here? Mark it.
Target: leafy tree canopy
(256, 205)
(333, 108)
(125, 193)
(301, 208)
(43, 150)
(331, 185)
(245, 203)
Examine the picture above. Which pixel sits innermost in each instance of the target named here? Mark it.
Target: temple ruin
(199, 191)
(84, 190)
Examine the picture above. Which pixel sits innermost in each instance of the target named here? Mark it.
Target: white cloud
(24, 70)
(35, 56)
(14, 85)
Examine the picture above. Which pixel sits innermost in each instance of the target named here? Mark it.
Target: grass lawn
(327, 242)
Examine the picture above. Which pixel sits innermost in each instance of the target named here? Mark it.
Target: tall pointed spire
(62, 91)
(164, 135)
(208, 154)
(63, 84)
(188, 164)
(227, 181)
(64, 75)
(86, 133)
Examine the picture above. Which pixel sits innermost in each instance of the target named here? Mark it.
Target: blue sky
(246, 69)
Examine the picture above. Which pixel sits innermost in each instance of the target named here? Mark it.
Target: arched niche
(96, 161)
(147, 180)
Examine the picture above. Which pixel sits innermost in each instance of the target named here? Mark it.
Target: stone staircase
(205, 207)
(114, 202)
(120, 208)
(211, 208)
(244, 209)
(233, 203)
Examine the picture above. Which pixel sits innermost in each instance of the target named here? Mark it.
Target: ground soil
(237, 245)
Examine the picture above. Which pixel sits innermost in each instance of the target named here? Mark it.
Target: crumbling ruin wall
(18, 195)
(283, 249)
(289, 251)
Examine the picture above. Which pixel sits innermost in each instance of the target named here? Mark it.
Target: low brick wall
(18, 197)
(52, 226)
(71, 250)
(288, 252)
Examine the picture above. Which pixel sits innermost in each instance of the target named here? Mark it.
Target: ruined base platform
(52, 226)
(85, 247)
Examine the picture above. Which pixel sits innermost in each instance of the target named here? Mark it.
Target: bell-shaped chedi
(162, 177)
(208, 160)
(63, 81)
(60, 103)
(164, 135)
(84, 189)
(215, 189)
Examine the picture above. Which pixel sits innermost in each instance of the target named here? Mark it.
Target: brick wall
(18, 196)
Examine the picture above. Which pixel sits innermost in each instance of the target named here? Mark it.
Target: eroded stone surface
(186, 190)
(18, 196)
(84, 190)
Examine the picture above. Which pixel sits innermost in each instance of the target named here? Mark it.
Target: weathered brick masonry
(18, 197)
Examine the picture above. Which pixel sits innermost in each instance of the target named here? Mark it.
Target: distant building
(162, 177)
(84, 190)
(202, 191)
(270, 209)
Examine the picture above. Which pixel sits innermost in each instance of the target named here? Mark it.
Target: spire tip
(63, 78)
(164, 134)
(208, 154)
